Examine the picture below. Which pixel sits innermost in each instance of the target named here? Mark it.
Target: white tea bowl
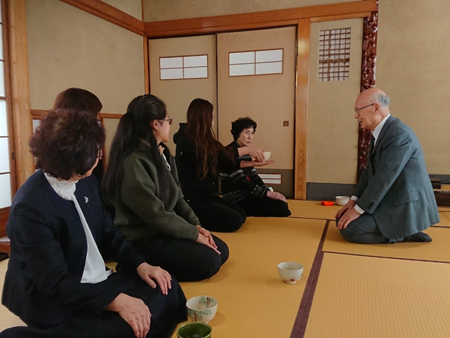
(290, 272)
(342, 200)
(201, 308)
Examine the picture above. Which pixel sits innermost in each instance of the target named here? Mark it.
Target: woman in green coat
(141, 182)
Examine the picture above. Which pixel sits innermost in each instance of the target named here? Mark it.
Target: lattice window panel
(183, 67)
(334, 54)
(258, 62)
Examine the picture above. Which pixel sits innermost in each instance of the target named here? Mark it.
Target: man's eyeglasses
(357, 110)
(168, 120)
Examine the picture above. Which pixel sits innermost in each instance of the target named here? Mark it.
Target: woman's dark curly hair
(67, 143)
(240, 124)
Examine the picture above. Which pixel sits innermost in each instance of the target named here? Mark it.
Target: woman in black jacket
(243, 186)
(199, 158)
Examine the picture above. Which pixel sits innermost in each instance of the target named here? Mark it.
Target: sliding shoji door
(182, 69)
(256, 78)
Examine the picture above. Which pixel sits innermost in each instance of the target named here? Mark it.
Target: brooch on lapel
(86, 201)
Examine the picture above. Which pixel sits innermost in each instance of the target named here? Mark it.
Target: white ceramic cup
(342, 200)
(290, 272)
(201, 308)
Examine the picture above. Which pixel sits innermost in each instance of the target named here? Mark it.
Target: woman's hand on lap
(207, 234)
(134, 312)
(150, 274)
(207, 240)
(276, 196)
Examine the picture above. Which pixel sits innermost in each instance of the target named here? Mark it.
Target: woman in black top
(199, 156)
(243, 186)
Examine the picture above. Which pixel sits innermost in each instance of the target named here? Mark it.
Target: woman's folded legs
(186, 260)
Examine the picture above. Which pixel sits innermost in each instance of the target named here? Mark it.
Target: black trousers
(186, 260)
(218, 214)
(264, 207)
(167, 312)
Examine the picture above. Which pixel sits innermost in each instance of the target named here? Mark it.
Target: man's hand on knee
(348, 216)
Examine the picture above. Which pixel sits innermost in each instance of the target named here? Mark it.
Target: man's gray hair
(383, 100)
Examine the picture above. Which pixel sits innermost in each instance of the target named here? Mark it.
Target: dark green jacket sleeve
(142, 209)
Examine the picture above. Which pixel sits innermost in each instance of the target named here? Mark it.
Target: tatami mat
(443, 208)
(377, 297)
(360, 286)
(312, 209)
(7, 318)
(444, 220)
(445, 217)
(437, 250)
(253, 301)
(241, 318)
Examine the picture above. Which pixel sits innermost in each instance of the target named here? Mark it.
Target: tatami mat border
(386, 257)
(299, 329)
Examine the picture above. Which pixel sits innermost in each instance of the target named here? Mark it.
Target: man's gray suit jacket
(395, 186)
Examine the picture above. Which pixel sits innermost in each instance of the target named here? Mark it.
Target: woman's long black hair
(199, 130)
(134, 127)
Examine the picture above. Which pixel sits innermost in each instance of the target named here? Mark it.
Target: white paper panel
(239, 70)
(4, 155)
(1, 42)
(3, 119)
(175, 62)
(196, 73)
(271, 178)
(269, 55)
(2, 78)
(5, 190)
(36, 123)
(171, 74)
(196, 61)
(269, 68)
(244, 57)
(270, 181)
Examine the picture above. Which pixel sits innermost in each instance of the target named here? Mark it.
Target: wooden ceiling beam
(109, 13)
(277, 18)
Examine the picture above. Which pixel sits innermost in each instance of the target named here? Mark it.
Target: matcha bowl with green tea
(194, 330)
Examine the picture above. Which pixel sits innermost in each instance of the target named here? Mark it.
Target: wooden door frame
(18, 95)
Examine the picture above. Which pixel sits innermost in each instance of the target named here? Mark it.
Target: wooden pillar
(301, 107)
(19, 88)
(146, 66)
(368, 64)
